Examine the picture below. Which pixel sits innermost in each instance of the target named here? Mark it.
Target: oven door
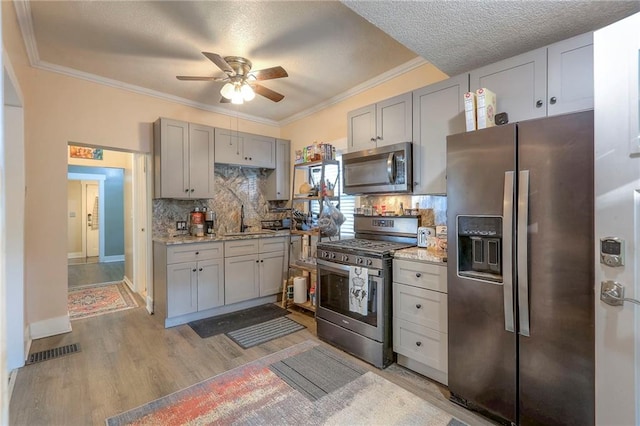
(333, 300)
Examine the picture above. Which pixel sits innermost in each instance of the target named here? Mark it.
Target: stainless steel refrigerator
(521, 270)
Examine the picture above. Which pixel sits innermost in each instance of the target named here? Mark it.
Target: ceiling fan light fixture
(227, 90)
(237, 98)
(247, 92)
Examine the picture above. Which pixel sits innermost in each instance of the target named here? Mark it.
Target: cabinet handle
(192, 189)
(538, 103)
(200, 269)
(379, 138)
(197, 253)
(194, 270)
(418, 306)
(373, 139)
(257, 261)
(250, 158)
(418, 343)
(186, 190)
(418, 274)
(553, 100)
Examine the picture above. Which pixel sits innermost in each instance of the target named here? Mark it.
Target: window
(347, 202)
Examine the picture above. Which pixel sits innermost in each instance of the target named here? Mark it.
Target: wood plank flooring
(127, 359)
(89, 271)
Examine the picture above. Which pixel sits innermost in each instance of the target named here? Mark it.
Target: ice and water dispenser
(480, 247)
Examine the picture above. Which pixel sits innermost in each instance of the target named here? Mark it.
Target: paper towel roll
(300, 289)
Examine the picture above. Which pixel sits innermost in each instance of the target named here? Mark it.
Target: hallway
(84, 271)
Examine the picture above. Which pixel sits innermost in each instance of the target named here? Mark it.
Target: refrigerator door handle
(523, 257)
(507, 251)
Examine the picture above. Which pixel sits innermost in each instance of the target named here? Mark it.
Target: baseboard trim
(116, 258)
(75, 255)
(128, 282)
(50, 327)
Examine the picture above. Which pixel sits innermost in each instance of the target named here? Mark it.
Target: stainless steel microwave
(384, 170)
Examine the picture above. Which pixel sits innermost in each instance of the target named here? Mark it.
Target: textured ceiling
(327, 47)
(459, 36)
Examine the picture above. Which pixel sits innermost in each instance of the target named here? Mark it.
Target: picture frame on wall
(85, 152)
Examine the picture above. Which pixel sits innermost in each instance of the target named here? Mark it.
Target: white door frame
(142, 228)
(100, 178)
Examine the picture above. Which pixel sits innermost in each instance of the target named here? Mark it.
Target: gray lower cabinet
(420, 317)
(253, 268)
(187, 278)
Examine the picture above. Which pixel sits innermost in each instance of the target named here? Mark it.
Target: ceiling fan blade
(267, 93)
(194, 78)
(220, 62)
(269, 73)
(224, 100)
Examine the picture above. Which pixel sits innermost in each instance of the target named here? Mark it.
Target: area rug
(253, 394)
(98, 299)
(260, 333)
(236, 320)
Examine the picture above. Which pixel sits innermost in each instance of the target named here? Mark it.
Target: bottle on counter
(401, 211)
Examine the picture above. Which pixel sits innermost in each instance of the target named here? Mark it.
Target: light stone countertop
(422, 254)
(189, 239)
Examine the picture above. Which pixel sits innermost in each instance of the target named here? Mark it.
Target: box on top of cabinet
(470, 110)
(486, 111)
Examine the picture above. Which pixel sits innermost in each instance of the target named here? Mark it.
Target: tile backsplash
(234, 186)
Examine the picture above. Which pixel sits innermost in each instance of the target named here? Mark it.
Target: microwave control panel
(612, 251)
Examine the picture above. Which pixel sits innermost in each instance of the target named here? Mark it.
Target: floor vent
(53, 353)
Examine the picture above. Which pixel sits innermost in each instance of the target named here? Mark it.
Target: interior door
(93, 219)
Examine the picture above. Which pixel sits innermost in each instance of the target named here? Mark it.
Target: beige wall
(330, 124)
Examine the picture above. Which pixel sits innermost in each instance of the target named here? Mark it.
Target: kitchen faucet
(243, 227)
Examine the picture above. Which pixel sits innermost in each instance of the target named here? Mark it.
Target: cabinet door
(570, 75)
(520, 84)
(210, 284)
(361, 125)
(171, 158)
(271, 265)
(259, 151)
(228, 146)
(182, 291)
(394, 120)
(241, 278)
(278, 180)
(201, 161)
(438, 111)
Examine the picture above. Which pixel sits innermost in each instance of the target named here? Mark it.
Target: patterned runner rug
(253, 394)
(98, 299)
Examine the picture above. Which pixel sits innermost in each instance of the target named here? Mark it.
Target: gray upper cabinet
(438, 111)
(520, 84)
(183, 159)
(384, 123)
(570, 76)
(278, 181)
(245, 149)
(552, 80)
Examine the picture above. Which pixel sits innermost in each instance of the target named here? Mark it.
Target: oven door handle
(345, 268)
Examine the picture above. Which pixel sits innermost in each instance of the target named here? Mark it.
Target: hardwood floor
(88, 270)
(127, 359)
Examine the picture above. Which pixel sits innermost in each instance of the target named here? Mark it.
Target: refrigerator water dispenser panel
(480, 247)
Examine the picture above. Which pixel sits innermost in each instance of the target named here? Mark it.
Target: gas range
(359, 251)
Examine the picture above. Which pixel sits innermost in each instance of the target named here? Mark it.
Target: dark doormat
(317, 372)
(236, 320)
(264, 332)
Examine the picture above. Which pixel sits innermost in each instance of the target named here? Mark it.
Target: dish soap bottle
(401, 212)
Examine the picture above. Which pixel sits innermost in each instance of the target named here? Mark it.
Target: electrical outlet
(181, 225)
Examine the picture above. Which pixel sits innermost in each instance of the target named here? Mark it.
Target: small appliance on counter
(276, 224)
(426, 236)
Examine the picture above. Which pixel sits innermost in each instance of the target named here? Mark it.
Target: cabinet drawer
(422, 307)
(424, 275)
(421, 344)
(194, 252)
(241, 247)
(272, 244)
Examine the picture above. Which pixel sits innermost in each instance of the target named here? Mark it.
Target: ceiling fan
(240, 80)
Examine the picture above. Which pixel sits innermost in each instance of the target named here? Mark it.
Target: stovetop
(364, 246)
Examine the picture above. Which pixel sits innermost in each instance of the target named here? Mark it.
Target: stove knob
(333, 255)
(345, 258)
(369, 262)
(325, 254)
(359, 260)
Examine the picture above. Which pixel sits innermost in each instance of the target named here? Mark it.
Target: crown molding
(23, 12)
(369, 84)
